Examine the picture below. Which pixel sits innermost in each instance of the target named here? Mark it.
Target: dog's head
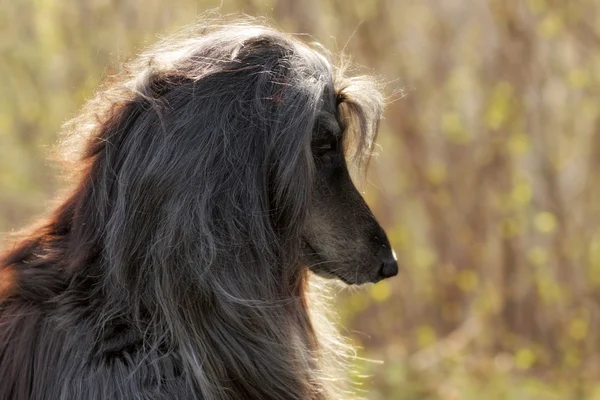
(237, 141)
(318, 119)
(341, 238)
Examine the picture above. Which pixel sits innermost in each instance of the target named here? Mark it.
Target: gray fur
(177, 268)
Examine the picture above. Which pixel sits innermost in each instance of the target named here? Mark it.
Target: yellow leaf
(550, 26)
(578, 78)
(521, 193)
(467, 280)
(425, 335)
(509, 227)
(545, 222)
(537, 256)
(572, 358)
(499, 105)
(436, 173)
(594, 260)
(549, 290)
(423, 257)
(518, 143)
(578, 329)
(452, 125)
(381, 291)
(537, 6)
(524, 358)
(399, 236)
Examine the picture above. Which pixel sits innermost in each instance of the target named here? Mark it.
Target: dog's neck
(229, 346)
(231, 340)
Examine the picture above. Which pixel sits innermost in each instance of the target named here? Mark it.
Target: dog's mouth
(311, 256)
(315, 260)
(317, 263)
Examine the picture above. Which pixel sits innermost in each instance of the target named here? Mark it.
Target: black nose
(389, 267)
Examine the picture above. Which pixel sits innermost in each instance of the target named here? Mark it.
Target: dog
(212, 176)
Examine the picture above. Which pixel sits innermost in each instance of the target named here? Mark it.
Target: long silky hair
(195, 178)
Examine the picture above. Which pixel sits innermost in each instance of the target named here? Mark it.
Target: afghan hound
(212, 177)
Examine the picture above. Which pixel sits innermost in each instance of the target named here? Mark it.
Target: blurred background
(484, 177)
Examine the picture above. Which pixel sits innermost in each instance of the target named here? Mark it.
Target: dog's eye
(323, 148)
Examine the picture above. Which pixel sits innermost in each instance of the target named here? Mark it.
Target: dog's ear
(360, 103)
(295, 109)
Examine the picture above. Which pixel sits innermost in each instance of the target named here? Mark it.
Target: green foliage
(486, 178)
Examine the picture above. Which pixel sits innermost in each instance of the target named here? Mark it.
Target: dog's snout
(389, 267)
